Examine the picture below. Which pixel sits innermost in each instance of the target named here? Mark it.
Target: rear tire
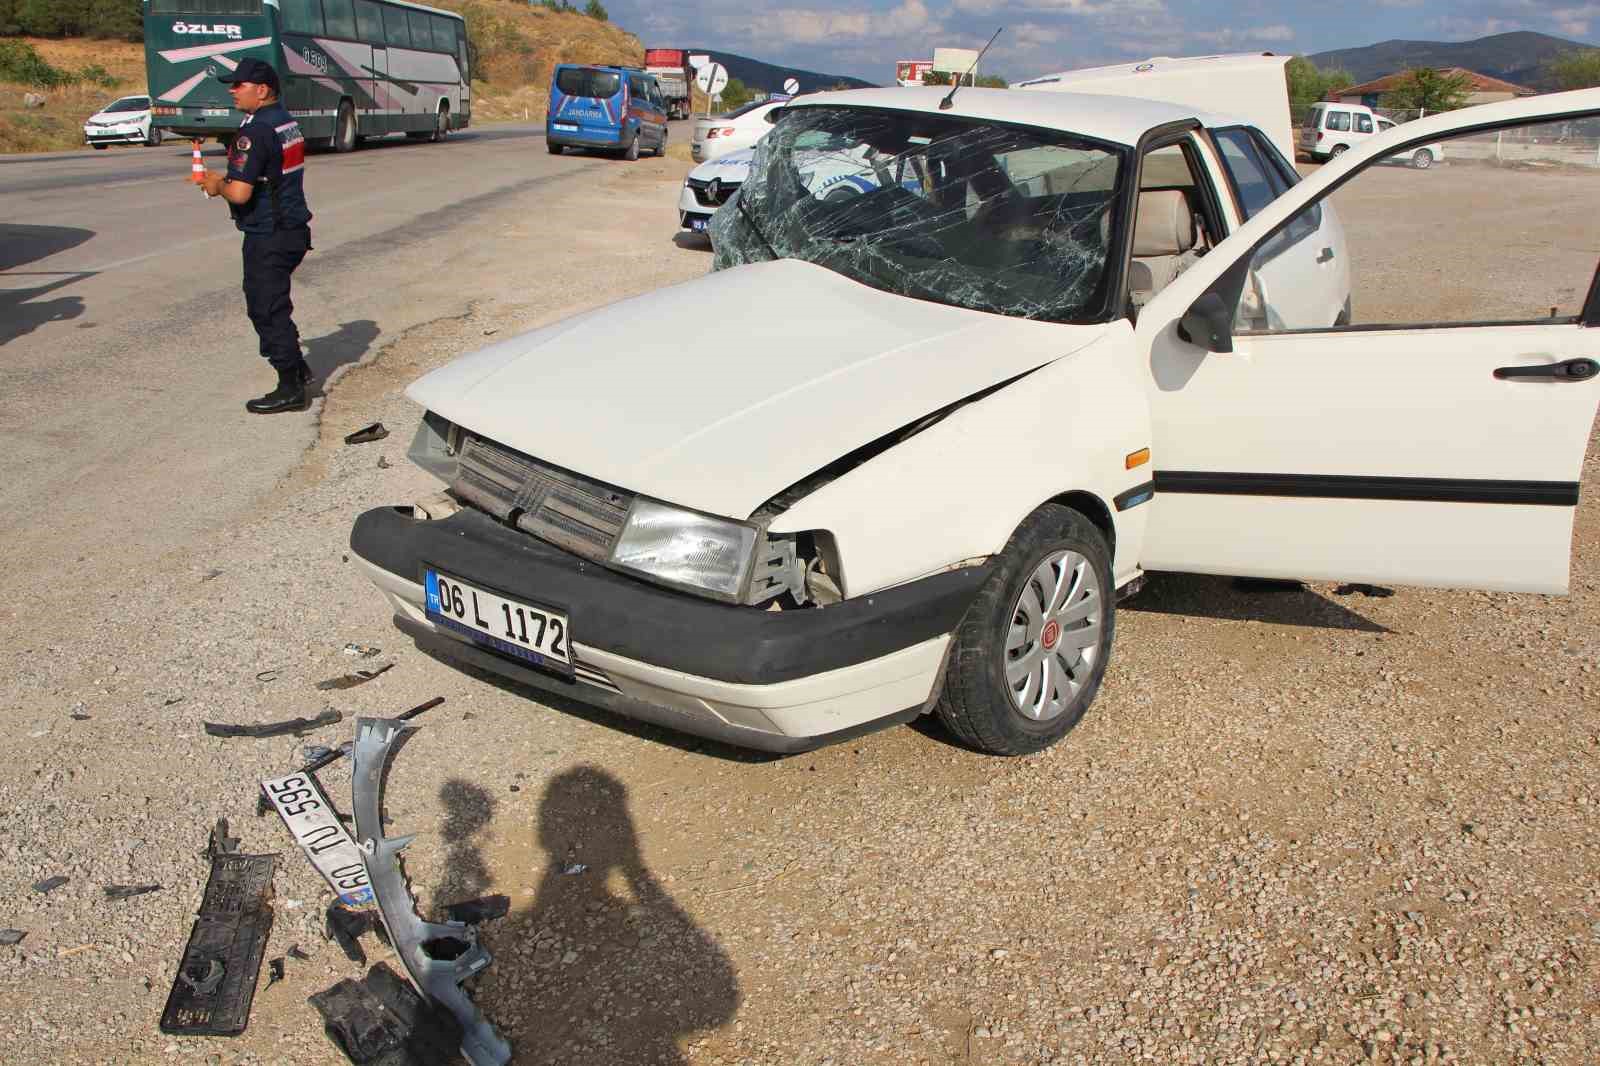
(1338, 150)
(1031, 651)
(1422, 159)
(554, 149)
(631, 152)
(344, 129)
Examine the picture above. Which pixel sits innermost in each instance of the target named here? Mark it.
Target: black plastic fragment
(296, 953)
(221, 964)
(221, 843)
(11, 936)
(351, 680)
(274, 971)
(297, 726)
(484, 909)
(129, 891)
(382, 1021)
(366, 434)
(347, 927)
(1376, 591)
(78, 717)
(49, 885)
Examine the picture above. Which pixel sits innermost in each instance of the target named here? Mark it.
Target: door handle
(1571, 370)
(1327, 254)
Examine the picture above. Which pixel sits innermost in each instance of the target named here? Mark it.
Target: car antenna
(944, 105)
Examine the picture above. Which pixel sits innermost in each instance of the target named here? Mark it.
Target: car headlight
(687, 549)
(436, 447)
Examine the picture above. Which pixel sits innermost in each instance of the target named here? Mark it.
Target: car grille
(576, 513)
(703, 196)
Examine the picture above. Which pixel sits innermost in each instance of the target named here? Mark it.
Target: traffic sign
(712, 79)
(791, 86)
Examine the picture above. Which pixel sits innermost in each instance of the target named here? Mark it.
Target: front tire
(344, 129)
(1031, 651)
(1423, 159)
(153, 137)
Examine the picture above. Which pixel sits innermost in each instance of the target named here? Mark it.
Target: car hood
(116, 118)
(719, 393)
(732, 168)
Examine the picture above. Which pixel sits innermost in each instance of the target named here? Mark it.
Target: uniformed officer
(265, 190)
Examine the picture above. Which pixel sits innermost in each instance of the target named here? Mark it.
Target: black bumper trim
(619, 614)
(711, 728)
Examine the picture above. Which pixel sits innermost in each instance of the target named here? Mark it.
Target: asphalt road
(126, 356)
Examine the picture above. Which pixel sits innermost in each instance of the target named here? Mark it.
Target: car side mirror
(1208, 324)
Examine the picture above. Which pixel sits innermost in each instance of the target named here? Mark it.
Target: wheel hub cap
(1053, 644)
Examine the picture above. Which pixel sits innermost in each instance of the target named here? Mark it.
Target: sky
(863, 38)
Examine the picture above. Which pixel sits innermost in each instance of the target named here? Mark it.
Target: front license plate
(216, 112)
(566, 127)
(535, 635)
(320, 834)
(698, 224)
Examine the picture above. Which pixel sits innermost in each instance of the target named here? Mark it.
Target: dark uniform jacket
(269, 152)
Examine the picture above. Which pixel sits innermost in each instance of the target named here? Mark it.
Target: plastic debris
(274, 971)
(267, 675)
(79, 717)
(474, 911)
(296, 953)
(382, 1021)
(367, 434)
(11, 936)
(574, 869)
(220, 843)
(297, 726)
(359, 677)
(216, 979)
(49, 885)
(346, 927)
(129, 891)
(315, 763)
(362, 651)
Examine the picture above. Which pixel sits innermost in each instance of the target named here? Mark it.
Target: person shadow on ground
(619, 972)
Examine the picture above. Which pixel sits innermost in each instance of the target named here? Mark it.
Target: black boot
(290, 395)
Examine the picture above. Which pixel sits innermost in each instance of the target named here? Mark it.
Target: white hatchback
(124, 121)
(1331, 129)
(717, 135)
(1054, 341)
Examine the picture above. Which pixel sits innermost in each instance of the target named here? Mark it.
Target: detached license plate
(536, 635)
(699, 224)
(326, 842)
(566, 127)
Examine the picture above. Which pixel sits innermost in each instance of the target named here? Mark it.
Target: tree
(1307, 85)
(736, 94)
(596, 10)
(991, 81)
(1429, 89)
(1576, 70)
(119, 19)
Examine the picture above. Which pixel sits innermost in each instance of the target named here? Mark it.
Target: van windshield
(586, 81)
(1010, 220)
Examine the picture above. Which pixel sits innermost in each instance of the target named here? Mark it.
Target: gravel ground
(1300, 825)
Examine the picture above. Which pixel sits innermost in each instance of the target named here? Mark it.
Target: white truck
(673, 73)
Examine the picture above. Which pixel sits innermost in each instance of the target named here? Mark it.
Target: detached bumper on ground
(778, 681)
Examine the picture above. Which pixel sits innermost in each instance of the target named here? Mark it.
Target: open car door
(1437, 437)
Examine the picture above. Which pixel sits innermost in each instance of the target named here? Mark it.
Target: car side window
(1339, 121)
(1363, 123)
(1392, 252)
(1250, 175)
(1384, 125)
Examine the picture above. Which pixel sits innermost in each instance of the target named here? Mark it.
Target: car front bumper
(777, 681)
(113, 135)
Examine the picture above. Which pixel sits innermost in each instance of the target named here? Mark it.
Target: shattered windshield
(1006, 219)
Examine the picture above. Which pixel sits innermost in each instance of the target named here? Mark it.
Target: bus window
(394, 27)
(444, 34)
(421, 30)
(369, 23)
(341, 16)
(301, 16)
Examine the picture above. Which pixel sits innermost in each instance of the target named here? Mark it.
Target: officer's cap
(252, 70)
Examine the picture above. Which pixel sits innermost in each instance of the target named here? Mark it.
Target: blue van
(615, 108)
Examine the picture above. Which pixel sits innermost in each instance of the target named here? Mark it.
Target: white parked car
(720, 134)
(1331, 129)
(124, 121)
(711, 185)
(946, 423)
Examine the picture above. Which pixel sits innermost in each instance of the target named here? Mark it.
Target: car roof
(1118, 119)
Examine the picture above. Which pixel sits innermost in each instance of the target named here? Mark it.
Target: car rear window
(586, 81)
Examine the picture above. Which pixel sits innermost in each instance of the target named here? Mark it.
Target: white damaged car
(1060, 340)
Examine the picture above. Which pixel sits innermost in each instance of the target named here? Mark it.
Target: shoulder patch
(242, 143)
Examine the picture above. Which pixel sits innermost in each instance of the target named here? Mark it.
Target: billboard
(954, 60)
(911, 71)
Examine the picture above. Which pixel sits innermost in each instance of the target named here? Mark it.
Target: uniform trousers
(269, 260)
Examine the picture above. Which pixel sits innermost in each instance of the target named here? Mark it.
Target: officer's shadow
(610, 946)
(342, 347)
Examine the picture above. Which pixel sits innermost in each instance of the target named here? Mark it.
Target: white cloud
(1231, 38)
(803, 26)
(1096, 8)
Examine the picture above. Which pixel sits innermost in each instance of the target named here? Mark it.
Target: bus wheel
(344, 128)
(441, 124)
